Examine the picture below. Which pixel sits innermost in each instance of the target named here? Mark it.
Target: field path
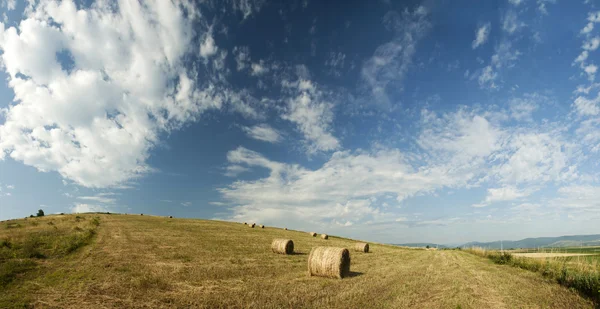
(156, 262)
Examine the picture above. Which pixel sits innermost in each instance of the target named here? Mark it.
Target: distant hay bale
(245, 223)
(285, 228)
(324, 236)
(141, 214)
(170, 217)
(262, 226)
(252, 225)
(361, 247)
(282, 246)
(313, 234)
(329, 262)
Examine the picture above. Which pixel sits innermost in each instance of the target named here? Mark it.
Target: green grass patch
(580, 274)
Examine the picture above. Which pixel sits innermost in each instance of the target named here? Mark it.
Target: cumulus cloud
(310, 110)
(93, 112)
(507, 193)
(390, 61)
(342, 189)
(258, 68)
(263, 132)
(208, 48)
(481, 35)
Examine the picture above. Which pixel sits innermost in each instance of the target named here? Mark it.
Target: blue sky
(390, 121)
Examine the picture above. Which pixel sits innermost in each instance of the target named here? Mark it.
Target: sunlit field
(112, 260)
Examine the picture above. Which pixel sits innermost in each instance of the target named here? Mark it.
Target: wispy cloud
(481, 35)
(263, 132)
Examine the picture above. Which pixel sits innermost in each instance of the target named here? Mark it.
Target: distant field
(132, 261)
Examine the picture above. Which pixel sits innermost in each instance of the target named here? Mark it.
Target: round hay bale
(282, 246)
(252, 225)
(141, 214)
(313, 234)
(324, 236)
(285, 228)
(329, 262)
(170, 217)
(361, 247)
(245, 223)
(262, 226)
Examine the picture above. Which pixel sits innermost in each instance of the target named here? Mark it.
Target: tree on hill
(40, 213)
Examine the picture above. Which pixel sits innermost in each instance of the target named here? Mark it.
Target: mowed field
(134, 261)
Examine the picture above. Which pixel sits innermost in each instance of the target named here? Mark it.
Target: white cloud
(522, 108)
(589, 134)
(104, 198)
(582, 57)
(186, 204)
(342, 189)
(588, 28)
(463, 134)
(578, 197)
(81, 208)
(542, 6)
(96, 121)
(591, 44)
(242, 57)
(589, 107)
(9, 4)
(335, 62)
(515, 2)
(591, 70)
(488, 77)
(390, 61)
(263, 132)
(511, 22)
(247, 7)
(258, 68)
(481, 35)
(312, 113)
(532, 157)
(10, 187)
(502, 194)
(208, 48)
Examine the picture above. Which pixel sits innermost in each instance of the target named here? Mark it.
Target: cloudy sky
(390, 121)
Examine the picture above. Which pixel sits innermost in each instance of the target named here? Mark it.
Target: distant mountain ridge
(561, 241)
(555, 242)
(421, 244)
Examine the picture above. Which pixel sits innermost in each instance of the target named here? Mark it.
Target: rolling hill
(133, 261)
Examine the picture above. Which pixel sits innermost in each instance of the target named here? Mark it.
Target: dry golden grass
(152, 262)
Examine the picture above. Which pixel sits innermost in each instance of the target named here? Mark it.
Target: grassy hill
(132, 261)
(561, 241)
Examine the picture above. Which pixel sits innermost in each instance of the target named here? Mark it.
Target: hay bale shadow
(298, 253)
(353, 274)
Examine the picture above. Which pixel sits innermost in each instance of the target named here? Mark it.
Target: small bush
(5, 243)
(96, 221)
(40, 213)
(32, 247)
(11, 268)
